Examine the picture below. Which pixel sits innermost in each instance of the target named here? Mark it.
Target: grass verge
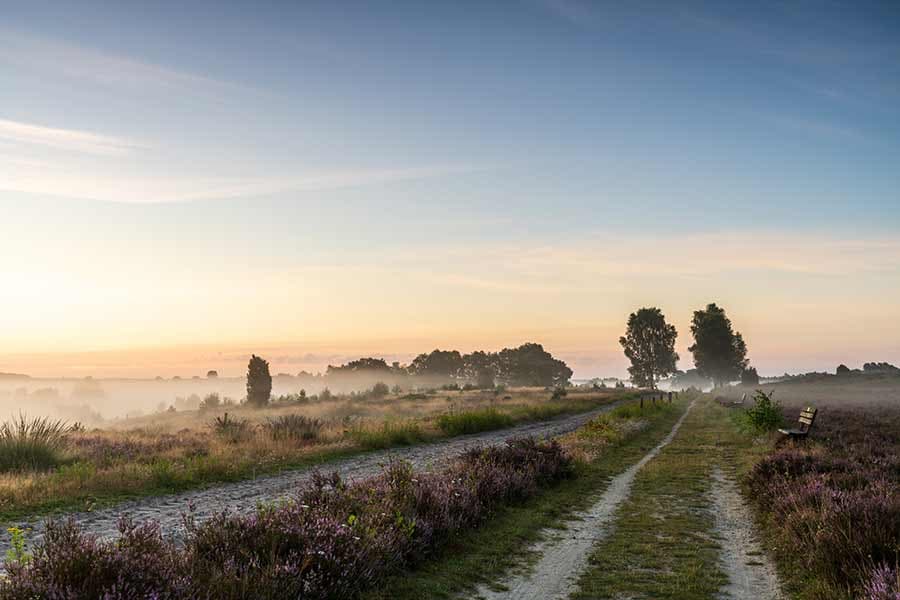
(663, 544)
(84, 484)
(483, 555)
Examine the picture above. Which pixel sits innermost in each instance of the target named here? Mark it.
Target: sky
(182, 184)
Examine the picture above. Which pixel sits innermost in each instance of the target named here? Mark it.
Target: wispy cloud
(73, 140)
(45, 55)
(65, 181)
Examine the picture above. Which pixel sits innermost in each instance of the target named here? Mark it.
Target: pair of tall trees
(649, 343)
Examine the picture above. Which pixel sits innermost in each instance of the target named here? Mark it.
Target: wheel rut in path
(563, 556)
(750, 572)
(245, 496)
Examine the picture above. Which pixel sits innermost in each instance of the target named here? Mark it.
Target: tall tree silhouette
(719, 352)
(649, 343)
(259, 382)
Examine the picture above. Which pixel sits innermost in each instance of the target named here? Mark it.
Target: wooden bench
(806, 420)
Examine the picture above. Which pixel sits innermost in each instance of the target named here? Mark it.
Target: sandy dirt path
(245, 496)
(563, 556)
(750, 572)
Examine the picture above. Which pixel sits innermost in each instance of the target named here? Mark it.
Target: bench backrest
(807, 418)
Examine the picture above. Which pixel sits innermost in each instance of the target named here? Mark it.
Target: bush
(210, 402)
(835, 511)
(296, 428)
(389, 435)
(334, 540)
(473, 421)
(379, 390)
(559, 393)
(232, 430)
(766, 415)
(32, 445)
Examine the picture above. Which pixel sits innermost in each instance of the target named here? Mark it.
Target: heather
(179, 451)
(332, 540)
(833, 503)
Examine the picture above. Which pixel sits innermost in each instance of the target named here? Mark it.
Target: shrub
(232, 430)
(32, 445)
(380, 390)
(296, 428)
(473, 421)
(559, 393)
(390, 434)
(766, 414)
(333, 540)
(883, 584)
(210, 402)
(836, 510)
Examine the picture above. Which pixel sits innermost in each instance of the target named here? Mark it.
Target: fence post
(642, 402)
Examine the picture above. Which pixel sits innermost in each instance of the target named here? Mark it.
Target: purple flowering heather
(835, 503)
(332, 540)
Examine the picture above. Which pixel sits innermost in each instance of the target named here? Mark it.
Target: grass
(105, 467)
(483, 555)
(474, 421)
(390, 435)
(32, 445)
(663, 544)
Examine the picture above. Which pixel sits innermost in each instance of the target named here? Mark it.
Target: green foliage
(296, 428)
(32, 445)
(446, 364)
(559, 393)
(749, 376)
(380, 389)
(232, 430)
(259, 382)
(719, 352)
(390, 434)
(473, 421)
(766, 414)
(210, 402)
(649, 343)
(16, 553)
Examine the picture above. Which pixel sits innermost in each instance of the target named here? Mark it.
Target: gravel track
(564, 556)
(750, 572)
(245, 496)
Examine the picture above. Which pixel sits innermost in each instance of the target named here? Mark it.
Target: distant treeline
(526, 365)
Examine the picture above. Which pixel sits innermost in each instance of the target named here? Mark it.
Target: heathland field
(51, 466)
(583, 495)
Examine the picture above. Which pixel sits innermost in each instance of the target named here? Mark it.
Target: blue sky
(418, 138)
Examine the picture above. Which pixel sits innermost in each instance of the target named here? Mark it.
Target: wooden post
(670, 397)
(642, 402)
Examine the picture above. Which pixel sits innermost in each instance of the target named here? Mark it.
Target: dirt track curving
(247, 495)
(564, 556)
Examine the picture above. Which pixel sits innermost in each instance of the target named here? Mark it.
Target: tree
(480, 367)
(444, 364)
(750, 376)
(842, 369)
(358, 366)
(259, 382)
(530, 364)
(719, 352)
(649, 343)
(212, 374)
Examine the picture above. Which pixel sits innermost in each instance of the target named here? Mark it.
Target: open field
(175, 452)
(680, 501)
(829, 391)
(371, 528)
